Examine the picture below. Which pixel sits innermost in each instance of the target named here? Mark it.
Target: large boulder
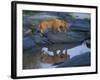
(78, 32)
(66, 37)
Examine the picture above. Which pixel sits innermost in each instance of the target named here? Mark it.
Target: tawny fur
(54, 24)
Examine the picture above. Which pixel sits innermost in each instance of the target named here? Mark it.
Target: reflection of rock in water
(45, 65)
(31, 61)
(35, 61)
(31, 58)
(45, 58)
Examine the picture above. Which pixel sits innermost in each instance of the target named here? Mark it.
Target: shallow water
(31, 57)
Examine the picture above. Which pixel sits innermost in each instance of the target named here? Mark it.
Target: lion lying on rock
(54, 24)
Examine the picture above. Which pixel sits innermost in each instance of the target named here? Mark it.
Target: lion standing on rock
(54, 24)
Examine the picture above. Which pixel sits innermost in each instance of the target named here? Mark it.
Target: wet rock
(28, 43)
(78, 32)
(39, 39)
(80, 25)
(27, 31)
(66, 37)
(80, 60)
(35, 27)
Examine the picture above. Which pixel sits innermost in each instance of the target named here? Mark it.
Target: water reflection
(32, 57)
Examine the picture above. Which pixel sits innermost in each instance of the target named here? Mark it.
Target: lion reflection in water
(45, 58)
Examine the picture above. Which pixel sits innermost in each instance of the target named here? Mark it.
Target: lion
(54, 24)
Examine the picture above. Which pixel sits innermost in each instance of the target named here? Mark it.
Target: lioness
(54, 24)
